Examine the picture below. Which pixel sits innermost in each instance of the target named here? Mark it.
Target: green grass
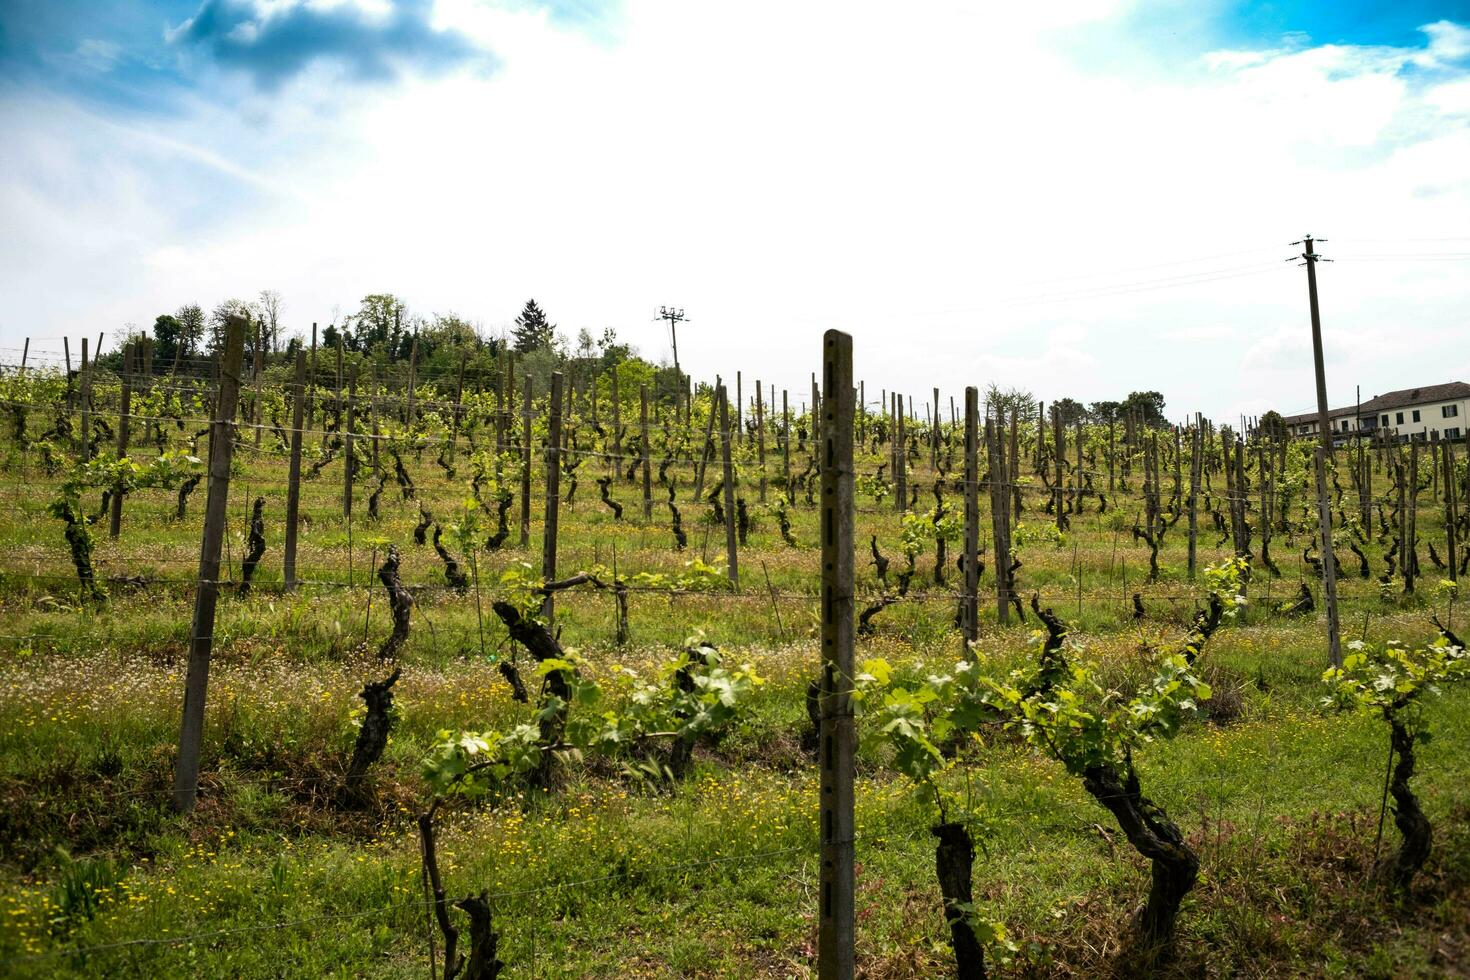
(608, 876)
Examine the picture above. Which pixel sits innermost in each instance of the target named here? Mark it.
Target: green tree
(1072, 410)
(1148, 405)
(221, 316)
(191, 322)
(167, 333)
(379, 322)
(1104, 412)
(533, 330)
(1273, 425)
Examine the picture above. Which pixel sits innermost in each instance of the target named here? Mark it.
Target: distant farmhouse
(1417, 414)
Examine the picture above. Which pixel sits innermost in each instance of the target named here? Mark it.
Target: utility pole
(1324, 450)
(675, 317)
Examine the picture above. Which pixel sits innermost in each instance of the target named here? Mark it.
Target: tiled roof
(1428, 395)
(1449, 391)
(1308, 417)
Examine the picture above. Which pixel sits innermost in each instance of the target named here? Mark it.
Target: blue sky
(1076, 198)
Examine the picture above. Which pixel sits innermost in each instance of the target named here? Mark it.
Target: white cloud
(942, 182)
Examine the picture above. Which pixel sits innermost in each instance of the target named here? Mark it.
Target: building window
(1385, 420)
(1449, 411)
(1452, 433)
(1416, 415)
(1398, 418)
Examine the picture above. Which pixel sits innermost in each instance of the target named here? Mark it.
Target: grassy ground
(608, 875)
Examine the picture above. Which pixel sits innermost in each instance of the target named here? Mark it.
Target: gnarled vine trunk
(954, 859)
(1151, 832)
(372, 737)
(1407, 816)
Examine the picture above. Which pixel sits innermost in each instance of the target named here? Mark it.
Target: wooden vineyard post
(934, 436)
(454, 415)
(372, 407)
(124, 410)
(732, 559)
(617, 442)
(643, 451)
(972, 518)
(739, 412)
(999, 513)
(347, 423)
(337, 394)
(1451, 511)
(86, 397)
(786, 447)
(704, 447)
(311, 395)
(1059, 451)
(293, 477)
(25, 352)
(144, 383)
(525, 465)
(1410, 553)
(553, 493)
(900, 457)
(836, 958)
(201, 635)
(1194, 467)
(760, 438)
(255, 370)
(413, 360)
(504, 405)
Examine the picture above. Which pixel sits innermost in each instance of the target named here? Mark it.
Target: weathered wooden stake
(525, 464)
(201, 635)
(553, 494)
(731, 558)
(643, 449)
(293, 477)
(124, 414)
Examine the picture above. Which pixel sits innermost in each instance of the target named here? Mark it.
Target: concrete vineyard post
(553, 493)
(732, 559)
(836, 939)
(525, 464)
(1324, 513)
(293, 478)
(201, 635)
(972, 517)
